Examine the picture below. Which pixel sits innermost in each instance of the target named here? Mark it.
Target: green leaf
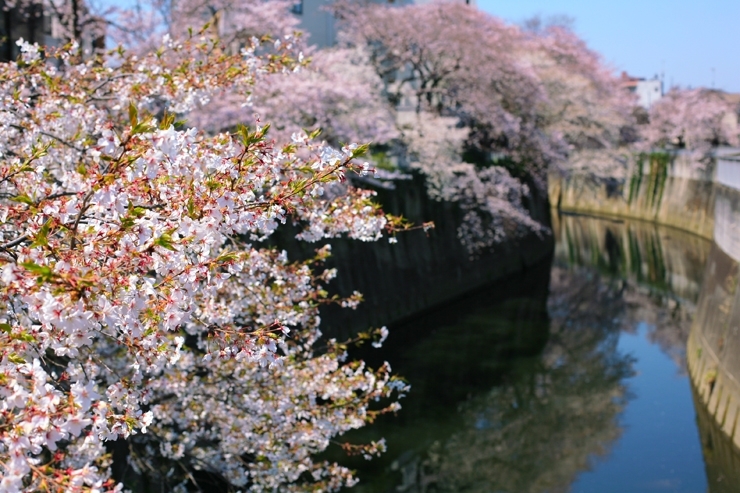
(134, 212)
(24, 336)
(165, 241)
(127, 223)
(297, 184)
(227, 257)
(142, 128)
(42, 236)
(47, 78)
(168, 119)
(14, 358)
(133, 114)
(191, 208)
(5, 328)
(360, 150)
(44, 272)
(23, 199)
(249, 138)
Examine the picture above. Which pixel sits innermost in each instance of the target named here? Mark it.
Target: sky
(694, 43)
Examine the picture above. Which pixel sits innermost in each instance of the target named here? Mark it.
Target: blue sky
(686, 39)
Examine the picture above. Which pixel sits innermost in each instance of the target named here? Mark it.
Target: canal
(571, 377)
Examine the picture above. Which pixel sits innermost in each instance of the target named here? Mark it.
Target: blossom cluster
(485, 108)
(535, 98)
(492, 201)
(139, 307)
(692, 119)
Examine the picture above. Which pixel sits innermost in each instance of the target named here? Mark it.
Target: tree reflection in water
(554, 413)
(515, 396)
(662, 269)
(525, 394)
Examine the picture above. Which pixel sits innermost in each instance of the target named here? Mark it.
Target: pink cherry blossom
(693, 119)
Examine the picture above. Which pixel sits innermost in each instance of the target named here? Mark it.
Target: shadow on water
(525, 386)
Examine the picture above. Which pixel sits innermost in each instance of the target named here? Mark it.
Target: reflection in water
(666, 260)
(537, 431)
(714, 362)
(661, 268)
(720, 455)
(524, 387)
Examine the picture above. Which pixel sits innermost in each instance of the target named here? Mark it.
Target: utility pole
(662, 78)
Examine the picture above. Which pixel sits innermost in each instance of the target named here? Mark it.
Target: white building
(648, 91)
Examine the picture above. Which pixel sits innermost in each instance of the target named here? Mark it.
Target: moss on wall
(661, 187)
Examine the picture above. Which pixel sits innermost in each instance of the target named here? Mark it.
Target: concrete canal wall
(677, 193)
(713, 349)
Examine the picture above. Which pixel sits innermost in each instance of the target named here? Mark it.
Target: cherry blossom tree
(142, 25)
(493, 202)
(334, 90)
(692, 119)
(491, 95)
(587, 114)
(337, 93)
(454, 60)
(530, 98)
(467, 109)
(140, 312)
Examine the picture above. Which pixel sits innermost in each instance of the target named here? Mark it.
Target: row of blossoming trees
(484, 109)
(147, 335)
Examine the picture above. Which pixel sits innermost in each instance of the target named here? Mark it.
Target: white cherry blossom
(138, 302)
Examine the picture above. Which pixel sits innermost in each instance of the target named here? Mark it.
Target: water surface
(570, 377)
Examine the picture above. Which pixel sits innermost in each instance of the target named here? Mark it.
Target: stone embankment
(713, 349)
(674, 191)
(704, 200)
